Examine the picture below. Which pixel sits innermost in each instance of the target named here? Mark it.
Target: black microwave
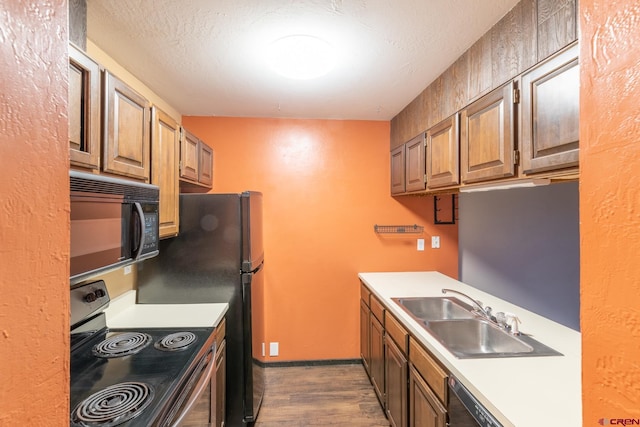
(114, 223)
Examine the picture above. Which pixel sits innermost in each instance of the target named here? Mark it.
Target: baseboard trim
(312, 363)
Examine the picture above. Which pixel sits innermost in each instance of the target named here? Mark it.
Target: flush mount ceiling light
(506, 185)
(301, 57)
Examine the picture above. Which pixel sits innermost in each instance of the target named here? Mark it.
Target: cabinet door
(126, 130)
(549, 128)
(205, 164)
(220, 400)
(364, 336)
(395, 384)
(487, 137)
(415, 164)
(84, 110)
(557, 25)
(424, 408)
(377, 357)
(397, 170)
(443, 160)
(189, 150)
(165, 152)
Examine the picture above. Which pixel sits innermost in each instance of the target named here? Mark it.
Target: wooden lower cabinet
(377, 357)
(425, 410)
(364, 336)
(220, 400)
(396, 369)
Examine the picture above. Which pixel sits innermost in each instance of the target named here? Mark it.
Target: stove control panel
(88, 299)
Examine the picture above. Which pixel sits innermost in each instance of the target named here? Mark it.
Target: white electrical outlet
(435, 242)
(421, 244)
(264, 351)
(273, 349)
(127, 269)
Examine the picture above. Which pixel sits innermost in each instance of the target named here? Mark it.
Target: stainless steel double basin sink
(467, 335)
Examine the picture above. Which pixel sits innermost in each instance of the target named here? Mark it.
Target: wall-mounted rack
(450, 213)
(398, 229)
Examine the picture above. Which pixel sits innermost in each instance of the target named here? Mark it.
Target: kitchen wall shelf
(398, 229)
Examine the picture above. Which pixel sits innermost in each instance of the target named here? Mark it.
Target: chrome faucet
(483, 311)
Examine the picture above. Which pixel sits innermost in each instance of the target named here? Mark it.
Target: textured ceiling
(204, 56)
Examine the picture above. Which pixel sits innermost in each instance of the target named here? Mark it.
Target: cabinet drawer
(433, 374)
(364, 294)
(397, 332)
(377, 309)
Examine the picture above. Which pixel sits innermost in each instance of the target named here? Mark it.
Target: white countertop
(518, 391)
(123, 312)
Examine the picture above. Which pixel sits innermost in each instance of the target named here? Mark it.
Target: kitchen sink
(465, 333)
(467, 338)
(435, 308)
(478, 338)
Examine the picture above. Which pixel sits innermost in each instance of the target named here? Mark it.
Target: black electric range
(130, 377)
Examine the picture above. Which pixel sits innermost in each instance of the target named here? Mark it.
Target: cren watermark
(619, 421)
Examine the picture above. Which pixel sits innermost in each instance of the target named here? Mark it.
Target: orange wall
(325, 185)
(610, 208)
(34, 219)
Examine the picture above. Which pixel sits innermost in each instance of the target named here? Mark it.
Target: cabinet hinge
(425, 177)
(516, 157)
(425, 143)
(516, 96)
(180, 166)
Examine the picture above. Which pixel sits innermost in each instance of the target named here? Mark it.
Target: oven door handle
(198, 389)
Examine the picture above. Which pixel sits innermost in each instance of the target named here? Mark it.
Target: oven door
(196, 404)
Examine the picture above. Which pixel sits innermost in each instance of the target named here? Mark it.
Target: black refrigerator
(218, 257)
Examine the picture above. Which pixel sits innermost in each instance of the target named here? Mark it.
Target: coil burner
(176, 342)
(113, 405)
(122, 344)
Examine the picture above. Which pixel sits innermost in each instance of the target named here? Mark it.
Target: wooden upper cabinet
(415, 164)
(126, 130)
(397, 170)
(550, 110)
(196, 163)
(557, 25)
(443, 162)
(205, 167)
(189, 164)
(513, 43)
(504, 51)
(165, 152)
(487, 137)
(84, 110)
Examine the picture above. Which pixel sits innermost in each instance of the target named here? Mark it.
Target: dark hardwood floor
(328, 395)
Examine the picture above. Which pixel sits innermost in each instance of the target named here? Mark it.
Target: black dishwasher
(465, 410)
